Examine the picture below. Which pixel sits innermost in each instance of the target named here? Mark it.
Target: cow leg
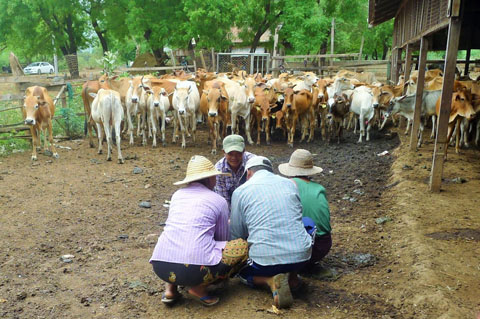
(193, 122)
(267, 131)
(449, 136)
(143, 123)
(175, 128)
(129, 123)
(369, 126)
(214, 128)
(465, 129)
(457, 136)
(292, 131)
(100, 138)
(234, 122)
(362, 127)
(247, 129)
(434, 120)
(50, 139)
(108, 135)
(477, 135)
(408, 126)
(312, 126)
(153, 121)
(33, 132)
(420, 135)
(163, 128)
(183, 124)
(118, 124)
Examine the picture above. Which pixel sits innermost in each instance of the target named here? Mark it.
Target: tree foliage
(130, 27)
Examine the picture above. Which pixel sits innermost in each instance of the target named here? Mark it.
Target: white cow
(186, 103)
(362, 106)
(238, 105)
(158, 106)
(305, 82)
(136, 102)
(107, 110)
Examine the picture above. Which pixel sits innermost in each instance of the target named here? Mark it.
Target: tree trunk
(256, 40)
(100, 35)
(385, 51)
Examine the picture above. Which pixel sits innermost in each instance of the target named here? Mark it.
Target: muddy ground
(419, 260)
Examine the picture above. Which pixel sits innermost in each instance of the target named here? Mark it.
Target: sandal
(203, 300)
(170, 301)
(282, 291)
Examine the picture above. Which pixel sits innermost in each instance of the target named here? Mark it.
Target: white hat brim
(287, 170)
(200, 176)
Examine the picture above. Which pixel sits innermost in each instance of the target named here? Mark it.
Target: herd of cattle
(261, 103)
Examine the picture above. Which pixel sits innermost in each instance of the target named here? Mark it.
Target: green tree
(30, 26)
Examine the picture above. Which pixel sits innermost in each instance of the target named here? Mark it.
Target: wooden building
(433, 25)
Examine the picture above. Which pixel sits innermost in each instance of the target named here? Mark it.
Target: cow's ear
(205, 92)
(223, 97)
(401, 98)
(296, 91)
(114, 77)
(147, 88)
(94, 95)
(42, 102)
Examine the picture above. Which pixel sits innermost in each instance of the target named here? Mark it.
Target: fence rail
(315, 56)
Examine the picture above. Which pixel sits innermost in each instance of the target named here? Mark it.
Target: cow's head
(380, 98)
(310, 78)
(279, 119)
(339, 105)
(262, 102)
(289, 102)
(250, 85)
(158, 97)
(181, 98)
(462, 105)
(32, 105)
(216, 99)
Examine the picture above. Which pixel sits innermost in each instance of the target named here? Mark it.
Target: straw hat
(199, 167)
(300, 164)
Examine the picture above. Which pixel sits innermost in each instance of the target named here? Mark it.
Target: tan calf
(214, 105)
(298, 106)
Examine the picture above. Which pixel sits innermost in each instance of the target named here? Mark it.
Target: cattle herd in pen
(260, 104)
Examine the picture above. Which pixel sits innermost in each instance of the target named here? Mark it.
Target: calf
(186, 102)
(214, 105)
(460, 108)
(338, 109)
(261, 113)
(298, 106)
(38, 110)
(107, 111)
(158, 106)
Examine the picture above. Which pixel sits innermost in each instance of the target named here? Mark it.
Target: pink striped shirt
(196, 229)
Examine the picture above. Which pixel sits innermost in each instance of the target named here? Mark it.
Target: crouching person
(314, 201)
(193, 249)
(266, 211)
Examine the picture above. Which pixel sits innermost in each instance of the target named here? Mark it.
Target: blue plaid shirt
(267, 212)
(227, 184)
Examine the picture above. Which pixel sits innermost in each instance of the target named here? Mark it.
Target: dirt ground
(398, 252)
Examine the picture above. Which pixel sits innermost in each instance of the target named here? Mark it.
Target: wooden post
(408, 62)
(332, 39)
(361, 48)
(418, 98)
(396, 65)
(275, 53)
(446, 101)
(213, 60)
(202, 58)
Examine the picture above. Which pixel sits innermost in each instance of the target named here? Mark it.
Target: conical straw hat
(300, 164)
(199, 167)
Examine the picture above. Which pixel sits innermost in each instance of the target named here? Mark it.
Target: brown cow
(260, 112)
(461, 108)
(337, 112)
(38, 110)
(298, 106)
(214, 105)
(87, 88)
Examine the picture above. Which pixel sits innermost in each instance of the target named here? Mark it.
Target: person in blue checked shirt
(267, 212)
(233, 162)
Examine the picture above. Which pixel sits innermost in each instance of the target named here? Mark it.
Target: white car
(38, 68)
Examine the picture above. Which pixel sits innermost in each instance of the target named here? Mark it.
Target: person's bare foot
(200, 292)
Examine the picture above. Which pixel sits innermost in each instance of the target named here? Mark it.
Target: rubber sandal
(203, 300)
(282, 290)
(170, 301)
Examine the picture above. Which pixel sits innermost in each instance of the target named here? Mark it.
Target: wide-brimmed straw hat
(199, 167)
(300, 164)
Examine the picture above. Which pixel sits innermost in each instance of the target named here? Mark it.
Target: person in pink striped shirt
(193, 249)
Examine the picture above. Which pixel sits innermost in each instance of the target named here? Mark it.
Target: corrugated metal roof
(382, 10)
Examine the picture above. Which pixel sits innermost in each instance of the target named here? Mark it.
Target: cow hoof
(164, 144)
(183, 146)
(100, 152)
(34, 157)
(268, 143)
(109, 159)
(121, 161)
(290, 145)
(214, 152)
(56, 155)
(91, 145)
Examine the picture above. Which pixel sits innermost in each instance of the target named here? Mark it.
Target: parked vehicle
(38, 68)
